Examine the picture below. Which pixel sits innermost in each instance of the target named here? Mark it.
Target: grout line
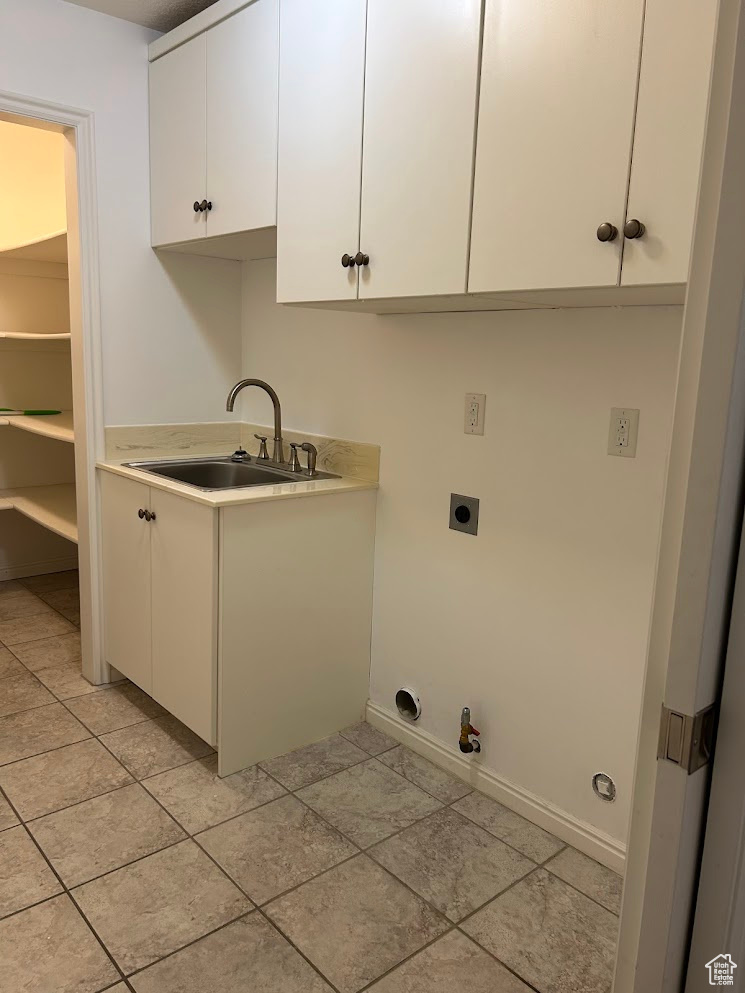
(65, 890)
(261, 912)
(57, 748)
(78, 803)
(181, 948)
(254, 906)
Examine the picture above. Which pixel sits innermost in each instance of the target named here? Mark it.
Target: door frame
(85, 323)
(719, 919)
(698, 545)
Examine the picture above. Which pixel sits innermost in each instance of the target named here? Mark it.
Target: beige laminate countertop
(249, 494)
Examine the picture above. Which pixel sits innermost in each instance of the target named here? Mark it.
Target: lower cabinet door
(184, 610)
(125, 538)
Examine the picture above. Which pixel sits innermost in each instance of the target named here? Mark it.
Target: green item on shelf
(28, 413)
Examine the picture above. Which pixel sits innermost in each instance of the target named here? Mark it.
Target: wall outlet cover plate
(623, 432)
(464, 513)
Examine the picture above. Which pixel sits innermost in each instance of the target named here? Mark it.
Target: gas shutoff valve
(469, 736)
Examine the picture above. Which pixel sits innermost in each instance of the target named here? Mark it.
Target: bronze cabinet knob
(607, 231)
(633, 229)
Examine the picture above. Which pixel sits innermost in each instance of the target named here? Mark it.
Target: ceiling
(159, 14)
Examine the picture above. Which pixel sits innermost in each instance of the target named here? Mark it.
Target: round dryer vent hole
(407, 704)
(604, 787)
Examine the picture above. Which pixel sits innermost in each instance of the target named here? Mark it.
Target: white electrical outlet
(624, 428)
(474, 419)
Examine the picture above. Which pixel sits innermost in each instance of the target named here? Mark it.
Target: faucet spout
(278, 452)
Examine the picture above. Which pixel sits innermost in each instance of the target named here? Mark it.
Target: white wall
(170, 347)
(32, 178)
(539, 623)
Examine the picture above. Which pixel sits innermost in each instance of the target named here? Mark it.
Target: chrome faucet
(278, 455)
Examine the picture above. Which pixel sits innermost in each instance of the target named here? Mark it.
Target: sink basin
(222, 474)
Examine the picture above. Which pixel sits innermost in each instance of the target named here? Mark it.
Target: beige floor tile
(161, 903)
(452, 963)
(155, 746)
(7, 817)
(199, 799)
(553, 937)
(24, 629)
(66, 681)
(50, 949)
(10, 586)
(21, 604)
(248, 956)
(22, 692)
(276, 847)
(9, 664)
(52, 581)
(57, 779)
(25, 877)
(505, 824)
(105, 833)
(114, 708)
(309, 764)
(355, 922)
(368, 738)
(368, 802)
(34, 731)
(49, 651)
(426, 775)
(589, 876)
(452, 863)
(64, 601)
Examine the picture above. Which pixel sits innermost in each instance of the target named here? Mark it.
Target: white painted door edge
(583, 836)
(85, 318)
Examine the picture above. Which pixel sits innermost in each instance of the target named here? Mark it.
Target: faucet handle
(263, 454)
(294, 464)
(312, 456)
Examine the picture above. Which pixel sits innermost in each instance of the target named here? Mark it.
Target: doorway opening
(47, 555)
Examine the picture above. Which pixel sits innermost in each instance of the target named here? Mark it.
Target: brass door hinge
(687, 740)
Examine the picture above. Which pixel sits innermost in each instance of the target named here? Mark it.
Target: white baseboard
(39, 568)
(588, 839)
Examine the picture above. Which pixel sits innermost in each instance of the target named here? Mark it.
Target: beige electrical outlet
(624, 428)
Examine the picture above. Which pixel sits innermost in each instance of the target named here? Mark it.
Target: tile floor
(352, 864)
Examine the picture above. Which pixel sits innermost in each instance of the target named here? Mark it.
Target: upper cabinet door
(178, 146)
(242, 65)
(421, 82)
(668, 139)
(321, 80)
(556, 119)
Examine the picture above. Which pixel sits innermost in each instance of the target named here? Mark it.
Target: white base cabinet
(249, 623)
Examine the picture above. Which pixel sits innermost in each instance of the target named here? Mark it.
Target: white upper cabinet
(668, 139)
(178, 146)
(556, 120)
(242, 54)
(213, 129)
(321, 84)
(395, 193)
(421, 81)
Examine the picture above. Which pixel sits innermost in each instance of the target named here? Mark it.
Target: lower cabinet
(249, 622)
(160, 597)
